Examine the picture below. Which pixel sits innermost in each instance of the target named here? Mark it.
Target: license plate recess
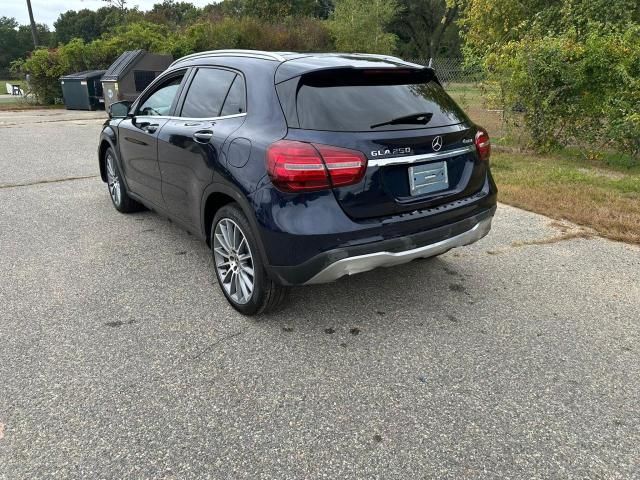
(428, 178)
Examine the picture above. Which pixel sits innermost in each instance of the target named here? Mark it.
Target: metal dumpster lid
(84, 75)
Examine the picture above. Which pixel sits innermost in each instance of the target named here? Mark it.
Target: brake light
(345, 166)
(483, 145)
(302, 167)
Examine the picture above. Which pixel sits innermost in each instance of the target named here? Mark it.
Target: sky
(47, 11)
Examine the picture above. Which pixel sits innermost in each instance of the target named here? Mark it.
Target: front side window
(160, 101)
(207, 93)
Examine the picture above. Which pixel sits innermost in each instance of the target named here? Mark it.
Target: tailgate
(418, 142)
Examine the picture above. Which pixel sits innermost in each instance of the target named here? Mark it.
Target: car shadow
(422, 290)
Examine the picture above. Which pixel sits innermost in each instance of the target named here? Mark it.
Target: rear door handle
(203, 136)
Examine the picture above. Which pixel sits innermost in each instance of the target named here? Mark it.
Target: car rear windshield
(373, 100)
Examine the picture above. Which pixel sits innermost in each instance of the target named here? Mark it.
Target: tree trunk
(34, 31)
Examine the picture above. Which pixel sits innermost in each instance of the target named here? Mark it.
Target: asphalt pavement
(516, 357)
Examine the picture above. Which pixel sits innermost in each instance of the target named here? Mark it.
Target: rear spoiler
(313, 64)
(353, 76)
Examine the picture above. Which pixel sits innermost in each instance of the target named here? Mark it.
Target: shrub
(573, 91)
(45, 67)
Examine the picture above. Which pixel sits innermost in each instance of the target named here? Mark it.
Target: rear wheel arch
(217, 196)
(214, 202)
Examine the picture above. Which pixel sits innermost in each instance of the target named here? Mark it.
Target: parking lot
(516, 357)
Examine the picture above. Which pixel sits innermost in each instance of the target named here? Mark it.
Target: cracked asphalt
(516, 357)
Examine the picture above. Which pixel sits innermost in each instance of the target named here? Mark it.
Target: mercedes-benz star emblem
(436, 144)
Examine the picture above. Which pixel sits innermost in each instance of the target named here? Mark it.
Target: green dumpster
(83, 90)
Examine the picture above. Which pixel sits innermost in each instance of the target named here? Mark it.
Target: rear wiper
(418, 118)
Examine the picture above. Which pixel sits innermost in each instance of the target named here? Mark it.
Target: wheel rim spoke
(236, 281)
(223, 244)
(245, 283)
(226, 236)
(234, 235)
(228, 276)
(233, 261)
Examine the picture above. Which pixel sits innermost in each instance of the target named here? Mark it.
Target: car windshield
(365, 100)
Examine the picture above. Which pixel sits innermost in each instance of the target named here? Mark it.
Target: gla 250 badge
(394, 151)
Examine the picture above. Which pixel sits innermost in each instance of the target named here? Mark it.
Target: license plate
(428, 178)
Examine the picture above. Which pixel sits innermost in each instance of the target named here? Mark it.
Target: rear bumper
(364, 263)
(330, 266)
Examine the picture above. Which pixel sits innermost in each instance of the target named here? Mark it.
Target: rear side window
(235, 102)
(207, 93)
(373, 100)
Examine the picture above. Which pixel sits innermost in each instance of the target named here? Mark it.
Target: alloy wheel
(234, 261)
(113, 181)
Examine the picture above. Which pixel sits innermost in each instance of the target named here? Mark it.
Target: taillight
(483, 144)
(296, 166)
(345, 167)
(302, 167)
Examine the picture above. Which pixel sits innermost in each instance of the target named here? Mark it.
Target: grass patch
(600, 191)
(471, 99)
(10, 103)
(603, 197)
(21, 106)
(3, 86)
(9, 100)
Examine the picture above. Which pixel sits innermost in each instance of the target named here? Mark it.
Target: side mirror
(119, 109)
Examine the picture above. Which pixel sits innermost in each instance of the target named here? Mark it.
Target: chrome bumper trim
(364, 263)
(408, 159)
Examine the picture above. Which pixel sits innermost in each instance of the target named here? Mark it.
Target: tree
(424, 25)
(273, 10)
(24, 37)
(170, 12)
(121, 4)
(16, 41)
(81, 24)
(361, 27)
(111, 17)
(9, 47)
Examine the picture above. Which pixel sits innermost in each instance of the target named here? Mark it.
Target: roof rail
(235, 53)
(386, 57)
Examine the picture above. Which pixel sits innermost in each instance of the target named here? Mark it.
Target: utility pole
(34, 31)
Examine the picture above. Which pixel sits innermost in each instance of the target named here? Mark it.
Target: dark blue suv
(301, 168)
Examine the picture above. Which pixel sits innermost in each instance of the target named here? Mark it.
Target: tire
(239, 266)
(117, 190)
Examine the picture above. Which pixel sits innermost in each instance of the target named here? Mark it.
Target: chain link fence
(452, 69)
(466, 85)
